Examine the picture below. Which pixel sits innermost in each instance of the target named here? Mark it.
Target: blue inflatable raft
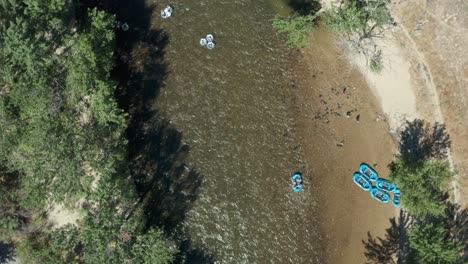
(368, 171)
(296, 182)
(362, 181)
(396, 197)
(379, 195)
(385, 185)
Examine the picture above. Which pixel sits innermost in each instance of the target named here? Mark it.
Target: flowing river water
(237, 109)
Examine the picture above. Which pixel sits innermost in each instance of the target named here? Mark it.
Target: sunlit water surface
(235, 106)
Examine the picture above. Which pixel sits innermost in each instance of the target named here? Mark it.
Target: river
(237, 109)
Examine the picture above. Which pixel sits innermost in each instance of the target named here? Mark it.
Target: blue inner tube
(297, 181)
(298, 188)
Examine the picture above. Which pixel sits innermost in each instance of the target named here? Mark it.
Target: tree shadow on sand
(420, 141)
(166, 185)
(7, 252)
(304, 7)
(457, 223)
(394, 247)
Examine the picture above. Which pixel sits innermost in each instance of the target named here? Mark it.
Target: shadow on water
(166, 185)
(394, 246)
(7, 252)
(304, 7)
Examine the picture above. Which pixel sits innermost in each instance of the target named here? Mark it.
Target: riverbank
(343, 125)
(432, 39)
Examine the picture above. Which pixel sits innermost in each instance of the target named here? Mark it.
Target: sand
(335, 145)
(60, 216)
(433, 37)
(392, 85)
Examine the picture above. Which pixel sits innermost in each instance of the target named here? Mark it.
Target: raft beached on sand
(396, 197)
(362, 181)
(369, 172)
(385, 185)
(379, 195)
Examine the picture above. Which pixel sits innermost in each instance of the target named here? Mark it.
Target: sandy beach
(351, 115)
(432, 38)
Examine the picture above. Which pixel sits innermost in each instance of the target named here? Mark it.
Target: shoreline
(402, 92)
(335, 145)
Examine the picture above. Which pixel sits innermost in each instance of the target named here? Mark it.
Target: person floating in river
(296, 183)
(121, 26)
(125, 26)
(167, 12)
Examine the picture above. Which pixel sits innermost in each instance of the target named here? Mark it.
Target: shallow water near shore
(236, 109)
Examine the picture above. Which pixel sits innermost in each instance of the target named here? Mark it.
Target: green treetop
(431, 245)
(422, 185)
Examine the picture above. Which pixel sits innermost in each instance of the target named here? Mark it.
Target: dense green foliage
(422, 174)
(359, 16)
(101, 239)
(296, 27)
(431, 245)
(423, 186)
(58, 108)
(62, 138)
(421, 170)
(12, 217)
(362, 21)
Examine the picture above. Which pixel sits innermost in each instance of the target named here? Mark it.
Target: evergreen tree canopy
(422, 186)
(60, 125)
(431, 246)
(63, 135)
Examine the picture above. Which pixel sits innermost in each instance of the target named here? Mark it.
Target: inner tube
(167, 12)
(210, 45)
(210, 37)
(297, 181)
(297, 188)
(297, 177)
(203, 42)
(125, 27)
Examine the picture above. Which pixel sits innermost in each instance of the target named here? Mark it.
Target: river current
(236, 107)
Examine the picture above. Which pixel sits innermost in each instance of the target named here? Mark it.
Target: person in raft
(296, 183)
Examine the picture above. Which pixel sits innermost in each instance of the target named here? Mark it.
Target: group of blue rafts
(365, 179)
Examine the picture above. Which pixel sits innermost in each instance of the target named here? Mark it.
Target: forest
(64, 142)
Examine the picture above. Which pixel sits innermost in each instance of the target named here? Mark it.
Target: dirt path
(433, 37)
(426, 75)
(331, 89)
